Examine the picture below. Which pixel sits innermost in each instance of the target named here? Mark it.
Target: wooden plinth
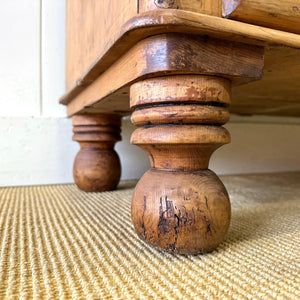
(179, 205)
(97, 165)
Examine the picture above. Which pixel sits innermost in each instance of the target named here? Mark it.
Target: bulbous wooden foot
(96, 169)
(181, 212)
(96, 166)
(179, 205)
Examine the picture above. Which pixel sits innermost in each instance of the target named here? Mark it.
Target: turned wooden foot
(97, 165)
(179, 205)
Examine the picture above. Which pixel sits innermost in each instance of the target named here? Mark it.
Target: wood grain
(96, 166)
(159, 21)
(185, 213)
(179, 205)
(90, 24)
(194, 113)
(278, 93)
(282, 15)
(209, 7)
(205, 90)
(163, 21)
(171, 54)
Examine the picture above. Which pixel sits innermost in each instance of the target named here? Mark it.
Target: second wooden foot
(97, 166)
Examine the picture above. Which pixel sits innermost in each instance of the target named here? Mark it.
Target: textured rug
(59, 242)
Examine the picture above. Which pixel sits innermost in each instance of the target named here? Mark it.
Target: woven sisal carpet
(58, 242)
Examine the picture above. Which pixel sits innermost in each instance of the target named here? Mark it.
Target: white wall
(35, 136)
(20, 58)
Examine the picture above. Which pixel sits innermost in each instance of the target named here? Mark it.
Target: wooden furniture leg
(179, 205)
(97, 165)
